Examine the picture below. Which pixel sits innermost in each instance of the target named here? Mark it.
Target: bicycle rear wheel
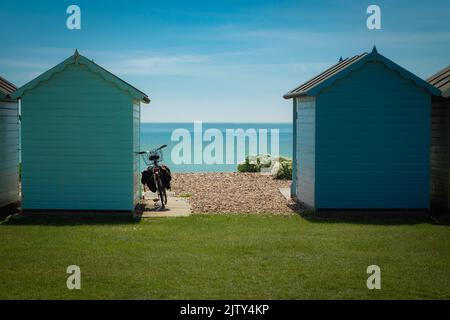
(161, 192)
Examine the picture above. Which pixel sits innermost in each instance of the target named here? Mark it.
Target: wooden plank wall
(373, 142)
(136, 148)
(440, 153)
(77, 143)
(306, 144)
(9, 153)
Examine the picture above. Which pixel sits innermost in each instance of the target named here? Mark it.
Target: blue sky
(221, 61)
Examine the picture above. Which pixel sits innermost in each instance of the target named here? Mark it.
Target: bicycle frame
(152, 158)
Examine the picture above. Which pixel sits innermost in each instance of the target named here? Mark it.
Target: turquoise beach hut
(9, 145)
(362, 137)
(80, 135)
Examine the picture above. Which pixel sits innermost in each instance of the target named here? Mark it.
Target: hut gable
(346, 66)
(77, 59)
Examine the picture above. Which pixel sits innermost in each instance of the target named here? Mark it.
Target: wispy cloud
(157, 61)
(240, 62)
(204, 66)
(138, 63)
(302, 37)
(23, 63)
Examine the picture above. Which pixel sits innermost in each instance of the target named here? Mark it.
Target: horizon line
(235, 122)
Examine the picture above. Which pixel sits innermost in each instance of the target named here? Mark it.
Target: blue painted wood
(372, 142)
(78, 142)
(305, 145)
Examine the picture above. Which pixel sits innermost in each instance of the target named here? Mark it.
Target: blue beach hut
(9, 145)
(362, 137)
(80, 135)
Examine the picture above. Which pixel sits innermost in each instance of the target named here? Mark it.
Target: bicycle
(152, 159)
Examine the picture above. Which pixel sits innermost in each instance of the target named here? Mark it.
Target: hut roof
(6, 88)
(345, 66)
(77, 58)
(441, 80)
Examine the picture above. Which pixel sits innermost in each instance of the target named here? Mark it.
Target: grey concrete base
(175, 207)
(286, 192)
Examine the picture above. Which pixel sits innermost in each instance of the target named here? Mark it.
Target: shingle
(338, 67)
(6, 87)
(441, 80)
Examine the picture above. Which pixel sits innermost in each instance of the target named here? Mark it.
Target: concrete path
(286, 192)
(175, 207)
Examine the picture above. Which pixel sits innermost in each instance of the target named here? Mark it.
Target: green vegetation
(285, 169)
(279, 167)
(223, 257)
(253, 165)
(185, 195)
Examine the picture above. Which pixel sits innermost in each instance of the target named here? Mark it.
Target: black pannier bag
(166, 176)
(147, 178)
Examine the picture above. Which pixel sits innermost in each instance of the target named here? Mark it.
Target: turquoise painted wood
(80, 133)
(9, 152)
(363, 142)
(136, 148)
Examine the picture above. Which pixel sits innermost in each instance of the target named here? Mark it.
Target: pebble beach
(225, 193)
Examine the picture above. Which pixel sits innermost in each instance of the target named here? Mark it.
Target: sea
(214, 147)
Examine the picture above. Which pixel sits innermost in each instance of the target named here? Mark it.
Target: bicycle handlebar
(144, 152)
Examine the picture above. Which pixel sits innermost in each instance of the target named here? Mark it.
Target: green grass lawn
(223, 257)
